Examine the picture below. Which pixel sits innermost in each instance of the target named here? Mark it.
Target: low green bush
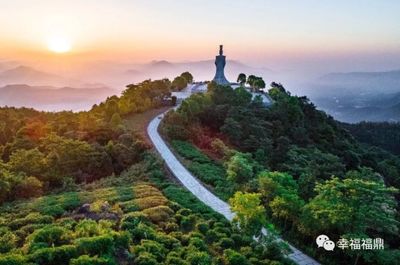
(54, 255)
(156, 249)
(86, 260)
(225, 243)
(132, 220)
(146, 258)
(50, 236)
(198, 243)
(188, 151)
(199, 258)
(209, 173)
(203, 228)
(8, 241)
(12, 259)
(158, 213)
(32, 218)
(234, 258)
(98, 245)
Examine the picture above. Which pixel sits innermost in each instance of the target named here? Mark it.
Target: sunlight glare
(59, 44)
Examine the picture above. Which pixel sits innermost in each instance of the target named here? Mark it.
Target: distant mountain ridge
(51, 98)
(360, 96)
(364, 81)
(201, 70)
(27, 75)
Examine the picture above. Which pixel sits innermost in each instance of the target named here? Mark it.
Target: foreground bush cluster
(124, 225)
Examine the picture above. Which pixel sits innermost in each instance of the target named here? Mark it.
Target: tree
(259, 83)
(173, 100)
(241, 79)
(116, 120)
(179, 83)
(280, 194)
(29, 187)
(240, 168)
(351, 206)
(111, 107)
(241, 97)
(251, 79)
(188, 77)
(250, 214)
(32, 162)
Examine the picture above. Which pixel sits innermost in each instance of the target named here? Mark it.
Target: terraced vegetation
(136, 224)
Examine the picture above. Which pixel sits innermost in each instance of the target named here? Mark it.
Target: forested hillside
(311, 176)
(84, 188)
(43, 151)
(382, 134)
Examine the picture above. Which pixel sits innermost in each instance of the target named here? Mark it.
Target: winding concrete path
(198, 190)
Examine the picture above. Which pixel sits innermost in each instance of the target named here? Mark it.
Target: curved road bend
(198, 190)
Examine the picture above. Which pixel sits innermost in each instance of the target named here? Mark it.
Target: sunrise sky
(256, 30)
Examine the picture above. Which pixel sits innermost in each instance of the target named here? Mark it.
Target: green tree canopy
(188, 77)
(351, 206)
(250, 214)
(241, 79)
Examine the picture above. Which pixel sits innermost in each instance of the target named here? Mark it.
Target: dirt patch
(139, 121)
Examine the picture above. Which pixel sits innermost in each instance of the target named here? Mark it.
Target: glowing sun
(59, 44)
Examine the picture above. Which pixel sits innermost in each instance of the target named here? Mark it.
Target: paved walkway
(204, 195)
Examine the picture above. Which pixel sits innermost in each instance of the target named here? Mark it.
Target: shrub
(150, 201)
(198, 243)
(222, 230)
(159, 213)
(184, 212)
(67, 222)
(170, 227)
(168, 241)
(50, 235)
(121, 239)
(188, 223)
(175, 261)
(189, 201)
(234, 258)
(32, 218)
(54, 255)
(128, 206)
(190, 152)
(132, 220)
(26, 230)
(13, 259)
(29, 187)
(203, 228)
(145, 258)
(86, 260)
(8, 242)
(53, 210)
(97, 245)
(225, 243)
(156, 249)
(211, 236)
(199, 258)
(209, 173)
(142, 231)
(142, 191)
(88, 228)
